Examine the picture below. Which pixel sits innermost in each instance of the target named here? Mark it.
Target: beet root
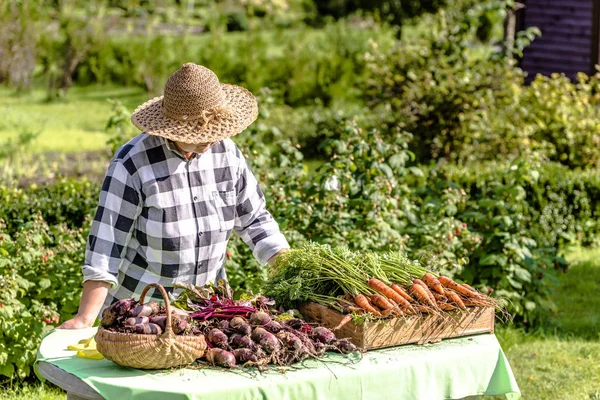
(145, 310)
(131, 321)
(220, 357)
(240, 341)
(109, 317)
(267, 341)
(179, 323)
(240, 325)
(323, 335)
(273, 326)
(147, 328)
(291, 341)
(345, 346)
(244, 355)
(223, 325)
(260, 318)
(217, 337)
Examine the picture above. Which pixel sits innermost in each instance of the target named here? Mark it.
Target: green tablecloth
(452, 369)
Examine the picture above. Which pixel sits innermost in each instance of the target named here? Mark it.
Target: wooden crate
(414, 329)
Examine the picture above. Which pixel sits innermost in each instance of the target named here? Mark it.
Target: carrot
(389, 293)
(450, 284)
(419, 292)
(455, 299)
(433, 283)
(425, 287)
(381, 302)
(446, 306)
(402, 292)
(343, 322)
(363, 302)
(440, 298)
(468, 287)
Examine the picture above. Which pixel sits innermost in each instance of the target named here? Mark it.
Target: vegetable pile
(247, 332)
(129, 316)
(371, 285)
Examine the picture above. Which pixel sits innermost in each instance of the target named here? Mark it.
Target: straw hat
(197, 108)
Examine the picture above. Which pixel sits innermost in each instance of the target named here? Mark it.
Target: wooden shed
(569, 41)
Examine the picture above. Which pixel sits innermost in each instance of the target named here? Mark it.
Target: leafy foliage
(40, 281)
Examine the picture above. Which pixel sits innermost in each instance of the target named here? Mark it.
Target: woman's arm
(92, 298)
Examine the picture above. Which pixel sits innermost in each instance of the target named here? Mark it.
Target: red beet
(323, 335)
(216, 356)
(266, 340)
(243, 355)
(240, 325)
(345, 346)
(217, 337)
(260, 318)
(273, 326)
(139, 320)
(148, 329)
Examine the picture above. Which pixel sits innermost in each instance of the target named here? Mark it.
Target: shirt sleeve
(113, 224)
(253, 222)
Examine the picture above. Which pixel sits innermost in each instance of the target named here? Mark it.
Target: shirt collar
(171, 146)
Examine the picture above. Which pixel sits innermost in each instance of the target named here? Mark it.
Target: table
(452, 369)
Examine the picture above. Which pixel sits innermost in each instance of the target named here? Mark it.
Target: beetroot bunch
(128, 316)
(260, 340)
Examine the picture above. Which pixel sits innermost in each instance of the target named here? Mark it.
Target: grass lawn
(560, 362)
(73, 124)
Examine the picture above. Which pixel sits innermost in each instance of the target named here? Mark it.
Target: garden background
(384, 125)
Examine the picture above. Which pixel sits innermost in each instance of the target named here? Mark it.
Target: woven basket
(151, 351)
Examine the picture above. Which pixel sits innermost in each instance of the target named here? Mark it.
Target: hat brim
(242, 111)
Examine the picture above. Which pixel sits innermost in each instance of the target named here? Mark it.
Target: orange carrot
(363, 302)
(388, 292)
(475, 291)
(440, 298)
(446, 306)
(425, 287)
(450, 284)
(419, 292)
(402, 292)
(468, 287)
(381, 302)
(343, 322)
(433, 283)
(455, 299)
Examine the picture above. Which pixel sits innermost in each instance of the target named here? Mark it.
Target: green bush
(560, 204)
(67, 201)
(40, 285)
(300, 64)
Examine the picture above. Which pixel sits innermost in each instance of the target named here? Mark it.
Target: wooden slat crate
(428, 328)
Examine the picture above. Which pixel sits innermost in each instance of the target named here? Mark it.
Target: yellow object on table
(86, 348)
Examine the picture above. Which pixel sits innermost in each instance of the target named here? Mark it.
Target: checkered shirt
(164, 219)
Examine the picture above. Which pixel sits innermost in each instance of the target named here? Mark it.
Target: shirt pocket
(224, 202)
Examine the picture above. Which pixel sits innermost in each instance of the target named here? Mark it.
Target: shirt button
(195, 198)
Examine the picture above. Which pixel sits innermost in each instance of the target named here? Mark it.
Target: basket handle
(163, 292)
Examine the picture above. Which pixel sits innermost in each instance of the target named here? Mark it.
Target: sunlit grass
(76, 123)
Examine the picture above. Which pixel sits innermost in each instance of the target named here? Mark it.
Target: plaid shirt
(164, 219)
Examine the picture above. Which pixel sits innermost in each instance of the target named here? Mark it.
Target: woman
(173, 194)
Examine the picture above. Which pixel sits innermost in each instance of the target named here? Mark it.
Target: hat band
(207, 116)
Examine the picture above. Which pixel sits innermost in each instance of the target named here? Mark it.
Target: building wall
(567, 37)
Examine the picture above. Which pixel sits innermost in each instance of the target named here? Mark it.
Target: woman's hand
(77, 322)
(92, 298)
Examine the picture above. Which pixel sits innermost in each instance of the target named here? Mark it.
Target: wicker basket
(151, 351)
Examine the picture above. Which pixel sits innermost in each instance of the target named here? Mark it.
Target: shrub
(67, 201)
(40, 283)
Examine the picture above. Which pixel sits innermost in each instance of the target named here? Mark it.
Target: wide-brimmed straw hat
(197, 108)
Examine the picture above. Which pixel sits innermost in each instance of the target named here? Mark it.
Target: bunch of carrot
(369, 283)
(423, 295)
